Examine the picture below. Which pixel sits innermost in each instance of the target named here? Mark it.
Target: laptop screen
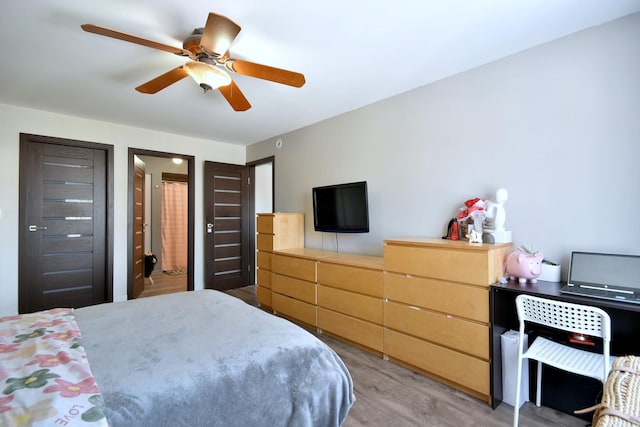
(606, 276)
(605, 270)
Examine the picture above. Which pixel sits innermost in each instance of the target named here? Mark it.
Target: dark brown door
(138, 226)
(229, 224)
(64, 260)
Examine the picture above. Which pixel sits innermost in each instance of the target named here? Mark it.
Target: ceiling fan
(209, 61)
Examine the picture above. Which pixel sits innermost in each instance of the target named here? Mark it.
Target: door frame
(109, 192)
(190, 212)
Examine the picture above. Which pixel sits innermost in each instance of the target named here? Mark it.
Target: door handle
(209, 227)
(36, 228)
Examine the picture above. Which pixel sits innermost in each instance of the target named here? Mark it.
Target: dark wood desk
(560, 390)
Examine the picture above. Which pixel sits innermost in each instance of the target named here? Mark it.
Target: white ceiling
(352, 53)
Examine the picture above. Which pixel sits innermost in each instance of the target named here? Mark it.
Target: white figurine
(495, 211)
(500, 216)
(474, 236)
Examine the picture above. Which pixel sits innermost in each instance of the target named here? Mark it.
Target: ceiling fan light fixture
(206, 75)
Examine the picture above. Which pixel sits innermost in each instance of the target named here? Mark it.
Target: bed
(200, 358)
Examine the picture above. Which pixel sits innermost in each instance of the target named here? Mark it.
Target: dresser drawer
(356, 330)
(362, 280)
(459, 334)
(264, 260)
(265, 242)
(264, 278)
(264, 224)
(458, 368)
(467, 301)
(479, 267)
(300, 268)
(263, 296)
(294, 309)
(295, 288)
(361, 306)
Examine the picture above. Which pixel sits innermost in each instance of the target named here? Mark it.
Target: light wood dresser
(275, 231)
(436, 308)
(423, 304)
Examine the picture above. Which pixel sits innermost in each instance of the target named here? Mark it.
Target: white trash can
(509, 341)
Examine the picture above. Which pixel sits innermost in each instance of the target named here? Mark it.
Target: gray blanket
(205, 358)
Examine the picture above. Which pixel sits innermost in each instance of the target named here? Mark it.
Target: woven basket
(620, 405)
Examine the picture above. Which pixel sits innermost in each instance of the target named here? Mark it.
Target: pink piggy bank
(524, 266)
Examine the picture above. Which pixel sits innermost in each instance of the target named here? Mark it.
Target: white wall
(14, 120)
(558, 126)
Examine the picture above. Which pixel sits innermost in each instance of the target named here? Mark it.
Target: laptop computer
(606, 276)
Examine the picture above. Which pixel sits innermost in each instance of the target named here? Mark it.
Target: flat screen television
(341, 208)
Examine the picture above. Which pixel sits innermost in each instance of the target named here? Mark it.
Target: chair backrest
(582, 319)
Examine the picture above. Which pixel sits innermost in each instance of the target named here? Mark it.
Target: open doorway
(264, 201)
(160, 250)
(264, 185)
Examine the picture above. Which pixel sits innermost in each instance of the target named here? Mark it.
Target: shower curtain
(174, 226)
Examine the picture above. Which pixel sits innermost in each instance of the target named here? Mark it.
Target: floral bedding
(45, 379)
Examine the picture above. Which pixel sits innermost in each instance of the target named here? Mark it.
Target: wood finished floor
(162, 283)
(389, 395)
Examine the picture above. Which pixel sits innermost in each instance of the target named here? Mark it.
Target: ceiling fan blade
(133, 39)
(160, 82)
(235, 97)
(218, 34)
(265, 72)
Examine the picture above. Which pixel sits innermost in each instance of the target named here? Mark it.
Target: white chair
(574, 318)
